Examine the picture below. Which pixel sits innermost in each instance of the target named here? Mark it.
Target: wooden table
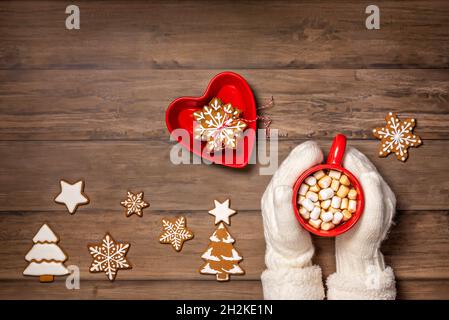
(90, 104)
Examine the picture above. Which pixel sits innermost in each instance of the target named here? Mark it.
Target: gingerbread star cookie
(222, 212)
(109, 257)
(72, 195)
(219, 124)
(134, 204)
(396, 137)
(175, 232)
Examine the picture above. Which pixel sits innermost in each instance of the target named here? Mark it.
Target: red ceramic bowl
(231, 88)
(334, 162)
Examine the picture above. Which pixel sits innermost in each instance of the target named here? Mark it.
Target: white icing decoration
(71, 195)
(46, 268)
(209, 256)
(45, 234)
(45, 251)
(208, 270)
(235, 256)
(235, 270)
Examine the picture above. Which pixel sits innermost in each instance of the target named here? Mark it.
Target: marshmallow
(326, 226)
(334, 185)
(326, 204)
(315, 223)
(336, 201)
(338, 216)
(308, 204)
(303, 189)
(304, 213)
(344, 180)
(310, 180)
(342, 191)
(314, 188)
(315, 214)
(319, 174)
(344, 203)
(352, 205)
(327, 216)
(326, 194)
(334, 174)
(325, 182)
(346, 215)
(301, 199)
(352, 194)
(312, 196)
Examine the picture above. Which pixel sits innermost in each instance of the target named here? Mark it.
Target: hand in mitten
(361, 271)
(290, 273)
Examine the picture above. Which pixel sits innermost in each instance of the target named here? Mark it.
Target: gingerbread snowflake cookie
(134, 204)
(175, 232)
(109, 257)
(397, 136)
(219, 124)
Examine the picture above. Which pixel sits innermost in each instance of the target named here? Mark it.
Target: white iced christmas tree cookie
(222, 212)
(46, 257)
(72, 195)
(221, 257)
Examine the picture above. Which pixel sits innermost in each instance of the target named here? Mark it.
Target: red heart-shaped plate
(230, 88)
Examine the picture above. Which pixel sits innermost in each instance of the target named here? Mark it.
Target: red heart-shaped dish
(230, 88)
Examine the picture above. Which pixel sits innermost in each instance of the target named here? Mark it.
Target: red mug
(334, 162)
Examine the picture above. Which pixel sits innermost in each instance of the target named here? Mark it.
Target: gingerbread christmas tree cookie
(46, 259)
(222, 259)
(397, 136)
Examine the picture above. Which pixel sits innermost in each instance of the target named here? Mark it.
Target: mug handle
(337, 150)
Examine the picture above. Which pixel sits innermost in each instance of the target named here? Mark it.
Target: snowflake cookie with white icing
(397, 136)
(175, 232)
(109, 257)
(219, 124)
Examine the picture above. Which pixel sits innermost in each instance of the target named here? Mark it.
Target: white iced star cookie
(222, 212)
(72, 195)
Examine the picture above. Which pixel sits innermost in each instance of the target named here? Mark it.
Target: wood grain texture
(30, 174)
(222, 35)
(90, 104)
(131, 104)
(154, 261)
(187, 290)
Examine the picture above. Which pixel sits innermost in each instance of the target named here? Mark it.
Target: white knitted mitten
(361, 271)
(290, 273)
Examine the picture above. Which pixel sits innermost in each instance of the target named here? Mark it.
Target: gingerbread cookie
(397, 136)
(46, 258)
(109, 257)
(175, 232)
(72, 195)
(219, 124)
(221, 257)
(134, 204)
(222, 212)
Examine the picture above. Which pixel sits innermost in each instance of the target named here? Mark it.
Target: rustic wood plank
(30, 174)
(131, 104)
(174, 290)
(422, 234)
(254, 34)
